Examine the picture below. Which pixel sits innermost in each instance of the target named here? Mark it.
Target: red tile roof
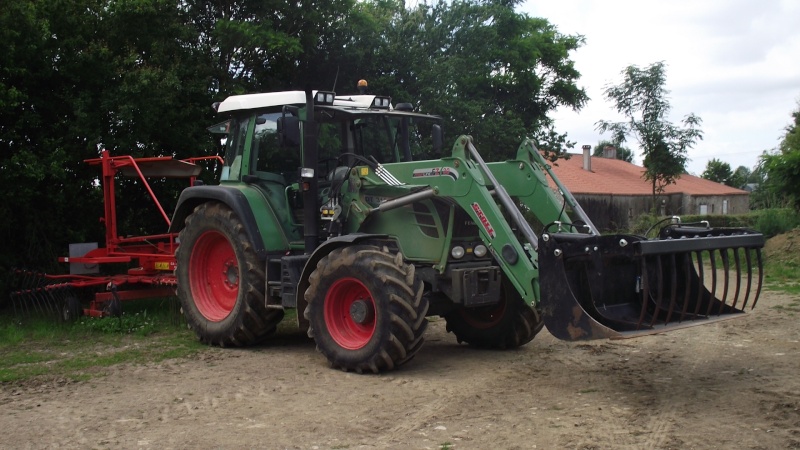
(614, 176)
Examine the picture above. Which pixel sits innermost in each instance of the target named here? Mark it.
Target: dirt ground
(733, 384)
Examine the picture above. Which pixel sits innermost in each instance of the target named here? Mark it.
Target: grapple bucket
(622, 286)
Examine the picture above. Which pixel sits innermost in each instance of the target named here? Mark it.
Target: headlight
(457, 252)
(480, 250)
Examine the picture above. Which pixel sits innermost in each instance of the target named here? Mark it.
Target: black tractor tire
(508, 324)
(365, 309)
(221, 281)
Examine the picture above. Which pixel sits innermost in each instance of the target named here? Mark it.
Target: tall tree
(782, 167)
(642, 99)
(623, 153)
(740, 177)
(490, 71)
(718, 171)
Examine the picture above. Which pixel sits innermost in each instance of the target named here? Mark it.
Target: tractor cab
(285, 144)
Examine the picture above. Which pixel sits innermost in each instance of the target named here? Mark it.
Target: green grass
(42, 348)
(782, 276)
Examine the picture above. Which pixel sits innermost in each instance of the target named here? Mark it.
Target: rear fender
(194, 196)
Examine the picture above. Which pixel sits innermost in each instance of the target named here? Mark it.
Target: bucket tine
(660, 285)
(723, 252)
(674, 291)
(738, 263)
(687, 273)
(760, 277)
(713, 260)
(701, 275)
(749, 260)
(645, 293)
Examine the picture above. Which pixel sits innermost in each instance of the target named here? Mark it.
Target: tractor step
(621, 286)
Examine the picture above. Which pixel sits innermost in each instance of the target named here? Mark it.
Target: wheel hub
(362, 311)
(231, 274)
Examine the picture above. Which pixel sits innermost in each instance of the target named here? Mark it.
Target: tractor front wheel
(365, 309)
(221, 280)
(508, 324)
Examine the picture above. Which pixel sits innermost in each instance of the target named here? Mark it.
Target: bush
(772, 222)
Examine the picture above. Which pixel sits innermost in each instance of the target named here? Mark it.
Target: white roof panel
(268, 99)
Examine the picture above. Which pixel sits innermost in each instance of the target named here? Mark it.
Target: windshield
(385, 137)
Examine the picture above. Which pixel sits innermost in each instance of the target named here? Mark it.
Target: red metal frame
(153, 255)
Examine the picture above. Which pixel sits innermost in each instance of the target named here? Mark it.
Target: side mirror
(437, 137)
(289, 131)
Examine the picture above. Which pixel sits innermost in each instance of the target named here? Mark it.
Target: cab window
(268, 155)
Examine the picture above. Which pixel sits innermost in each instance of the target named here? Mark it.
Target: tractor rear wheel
(509, 324)
(365, 309)
(221, 281)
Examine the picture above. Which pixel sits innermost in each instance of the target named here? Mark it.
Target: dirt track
(735, 384)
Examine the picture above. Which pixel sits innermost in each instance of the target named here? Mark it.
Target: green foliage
(623, 153)
(780, 170)
(138, 77)
(489, 71)
(772, 222)
(718, 171)
(740, 177)
(641, 98)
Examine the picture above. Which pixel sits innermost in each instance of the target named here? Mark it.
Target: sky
(734, 63)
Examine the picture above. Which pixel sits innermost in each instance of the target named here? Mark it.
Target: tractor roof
(265, 100)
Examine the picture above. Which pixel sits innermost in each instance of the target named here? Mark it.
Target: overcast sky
(734, 63)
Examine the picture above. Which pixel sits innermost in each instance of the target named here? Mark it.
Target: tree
(740, 177)
(623, 153)
(139, 76)
(488, 70)
(642, 99)
(718, 171)
(782, 167)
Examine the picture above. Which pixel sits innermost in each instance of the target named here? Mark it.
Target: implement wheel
(72, 309)
(510, 323)
(365, 309)
(221, 281)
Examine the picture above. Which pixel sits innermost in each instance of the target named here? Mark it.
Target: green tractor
(344, 208)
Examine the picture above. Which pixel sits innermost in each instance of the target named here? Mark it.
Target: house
(613, 192)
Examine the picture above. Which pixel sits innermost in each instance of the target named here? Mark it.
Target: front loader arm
(465, 180)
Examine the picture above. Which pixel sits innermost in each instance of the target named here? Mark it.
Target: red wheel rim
(350, 313)
(214, 276)
(484, 317)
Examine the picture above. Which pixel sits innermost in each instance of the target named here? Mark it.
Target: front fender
(320, 252)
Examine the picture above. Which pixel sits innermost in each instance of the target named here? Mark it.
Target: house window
(703, 210)
(724, 207)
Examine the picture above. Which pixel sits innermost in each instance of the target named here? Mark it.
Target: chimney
(610, 152)
(587, 157)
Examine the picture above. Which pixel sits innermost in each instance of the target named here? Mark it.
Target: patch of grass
(782, 276)
(41, 347)
(445, 446)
